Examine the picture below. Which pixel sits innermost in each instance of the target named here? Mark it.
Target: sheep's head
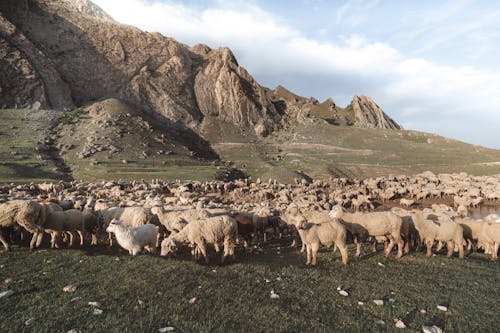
(167, 246)
(336, 211)
(114, 225)
(155, 210)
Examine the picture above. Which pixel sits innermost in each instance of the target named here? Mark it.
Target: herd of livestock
(200, 216)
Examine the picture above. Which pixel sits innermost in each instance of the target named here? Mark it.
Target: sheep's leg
(494, 255)
(226, 249)
(343, 253)
(265, 236)
(33, 240)
(308, 254)
(440, 246)
(110, 239)
(428, 244)
(294, 243)
(71, 238)
(389, 247)
(80, 234)
(53, 240)
(314, 250)
(245, 243)
(374, 246)
(203, 252)
(5, 244)
(407, 246)
(216, 247)
(94, 239)
(39, 239)
(400, 248)
(460, 250)
(451, 246)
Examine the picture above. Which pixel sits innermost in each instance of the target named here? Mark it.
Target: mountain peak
(368, 114)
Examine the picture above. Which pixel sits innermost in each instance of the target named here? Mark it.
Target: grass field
(145, 293)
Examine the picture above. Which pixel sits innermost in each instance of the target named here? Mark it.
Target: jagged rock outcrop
(69, 52)
(226, 90)
(368, 114)
(27, 76)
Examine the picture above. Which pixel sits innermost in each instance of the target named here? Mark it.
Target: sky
(432, 66)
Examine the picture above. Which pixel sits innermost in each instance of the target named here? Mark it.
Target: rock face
(368, 114)
(69, 52)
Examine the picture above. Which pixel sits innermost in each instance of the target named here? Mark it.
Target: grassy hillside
(145, 293)
(20, 130)
(110, 140)
(320, 149)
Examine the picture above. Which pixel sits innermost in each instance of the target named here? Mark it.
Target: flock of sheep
(198, 216)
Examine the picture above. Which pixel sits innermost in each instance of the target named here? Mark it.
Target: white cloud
(411, 90)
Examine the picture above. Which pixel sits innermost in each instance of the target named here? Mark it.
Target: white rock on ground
(431, 329)
(274, 295)
(69, 289)
(442, 308)
(192, 300)
(378, 301)
(29, 321)
(166, 329)
(343, 293)
(7, 293)
(95, 304)
(98, 311)
(399, 323)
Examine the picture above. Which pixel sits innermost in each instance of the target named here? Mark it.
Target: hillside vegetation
(111, 140)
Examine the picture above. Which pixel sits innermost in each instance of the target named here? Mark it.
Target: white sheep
(490, 237)
(327, 233)
(375, 224)
(199, 233)
(441, 230)
(134, 239)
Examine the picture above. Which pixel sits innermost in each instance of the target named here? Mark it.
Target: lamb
(326, 233)
(134, 239)
(406, 202)
(376, 224)
(489, 235)
(442, 230)
(130, 216)
(199, 233)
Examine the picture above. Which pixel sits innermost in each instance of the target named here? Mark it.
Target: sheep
(8, 218)
(408, 231)
(406, 202)
(175, 221)
(260, 219)
(130, 216)
(472, 230)
(69, 221)
(327, 233)
(246, 229)
(29, 214)
(490, 236)
(376, 224)
(134, 239)
(198, 233)
(442, 230)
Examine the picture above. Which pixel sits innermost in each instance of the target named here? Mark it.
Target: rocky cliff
(368, 114)
(69, 52)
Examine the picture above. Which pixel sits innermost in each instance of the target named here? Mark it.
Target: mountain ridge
(97, 58)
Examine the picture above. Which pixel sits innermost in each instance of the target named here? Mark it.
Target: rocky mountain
(62, 54)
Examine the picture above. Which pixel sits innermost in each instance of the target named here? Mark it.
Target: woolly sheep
(174, 221)
(441, 230)
(376, 224)
(134, 239)
(130, 216)
(328, 233)
(199, 233)
(71, 220)
(490, 236)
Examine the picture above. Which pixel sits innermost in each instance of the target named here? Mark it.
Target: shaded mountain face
(69, 52)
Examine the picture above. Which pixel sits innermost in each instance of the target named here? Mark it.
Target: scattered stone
(442, 308)
(29, 321)
(74, 330)
(423, 311)
(431, 329)
(166, 329)
(361, 303)
(74, 299)
(5, 294)
(69, 289)
(380, 322)
(192, 300)
(95, 304)
(399, 323)
(343, 293)
(274, 295)
(378, 302)
(7, 280)
(381, 264)
(97, 311)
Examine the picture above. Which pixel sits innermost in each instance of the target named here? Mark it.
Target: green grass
(236, 297)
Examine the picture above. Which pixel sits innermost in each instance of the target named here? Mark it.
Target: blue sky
(431, 65)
